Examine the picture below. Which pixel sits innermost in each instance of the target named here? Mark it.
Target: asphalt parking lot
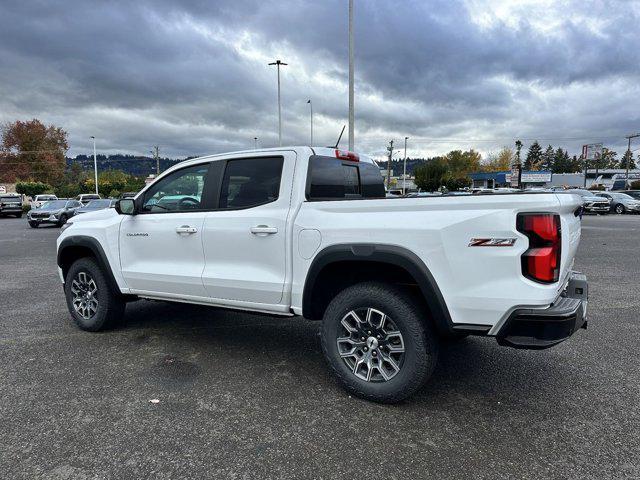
(244, 396)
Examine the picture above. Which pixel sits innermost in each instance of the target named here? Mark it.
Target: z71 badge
(492, 242)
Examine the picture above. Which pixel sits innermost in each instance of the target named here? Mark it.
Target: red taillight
(541, 262)
(344, 155)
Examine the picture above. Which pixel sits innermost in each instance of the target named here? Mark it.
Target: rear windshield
(42, 198)
(334, 179)
(9, 198)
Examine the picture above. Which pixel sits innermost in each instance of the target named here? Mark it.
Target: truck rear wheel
(378, 342)
(93, 304)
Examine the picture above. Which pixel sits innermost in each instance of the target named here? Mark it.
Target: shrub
(459, 183)
(635, 185)
(596, 187)
(31, 189)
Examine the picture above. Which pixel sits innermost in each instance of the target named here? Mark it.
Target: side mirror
(126, 206)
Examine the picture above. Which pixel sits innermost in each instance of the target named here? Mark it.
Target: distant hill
(131, 164)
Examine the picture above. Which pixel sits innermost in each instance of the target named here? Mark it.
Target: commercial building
(606, 177)
(503, 179)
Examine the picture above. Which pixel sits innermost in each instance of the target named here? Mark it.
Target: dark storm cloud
(192, 76)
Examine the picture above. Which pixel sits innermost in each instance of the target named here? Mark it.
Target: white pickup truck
(308, 231)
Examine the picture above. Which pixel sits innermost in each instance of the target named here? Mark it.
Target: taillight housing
(541, 261)
(345, 155)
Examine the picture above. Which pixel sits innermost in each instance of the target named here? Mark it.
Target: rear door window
(334, 179)
(249, 182)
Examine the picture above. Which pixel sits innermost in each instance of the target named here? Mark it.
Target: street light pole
(311, 110)
(277, 63)
(95, 162)
(351, 92)
(404, 172)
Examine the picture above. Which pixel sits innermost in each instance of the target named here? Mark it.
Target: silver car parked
(621, 202)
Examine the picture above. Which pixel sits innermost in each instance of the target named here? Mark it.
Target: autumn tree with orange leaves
(32, 151)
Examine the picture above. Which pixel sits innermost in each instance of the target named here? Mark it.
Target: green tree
(562, 162)
(431, 175)
(547, 159)
(460, 164)
(534, 157)
(518, 150)
(628, 157)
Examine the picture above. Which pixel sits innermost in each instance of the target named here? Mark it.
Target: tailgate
(571, 224)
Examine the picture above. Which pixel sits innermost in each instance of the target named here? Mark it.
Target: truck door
(245, 239)
(161, 247)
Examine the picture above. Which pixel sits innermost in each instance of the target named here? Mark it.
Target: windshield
(55, 204)
(42, 198)
(98, 204)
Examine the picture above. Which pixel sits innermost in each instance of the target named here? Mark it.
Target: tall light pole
(95, 162)
(277, 63)
(311, 111)
(404, 170)
(351, 93)
(390, 149)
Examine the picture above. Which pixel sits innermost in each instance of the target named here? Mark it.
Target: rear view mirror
(126, 206)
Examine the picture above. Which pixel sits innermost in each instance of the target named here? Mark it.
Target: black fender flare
(382, 253)
(94, 246)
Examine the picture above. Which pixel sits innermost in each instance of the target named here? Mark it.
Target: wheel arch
(402, 265)
(80, 246)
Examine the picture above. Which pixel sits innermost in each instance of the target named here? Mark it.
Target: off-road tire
(420, 340)
(111, 305)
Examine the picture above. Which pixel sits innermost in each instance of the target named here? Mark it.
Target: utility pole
(156, 155)
(255, 143)
(351, 92)
(390, 148)
(404, 170)
(629, 137)
(277, 63)
(311, 110)
(95, 162)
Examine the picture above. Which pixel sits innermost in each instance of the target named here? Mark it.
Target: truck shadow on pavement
(187, 343)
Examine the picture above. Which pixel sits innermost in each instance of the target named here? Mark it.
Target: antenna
(340, 137)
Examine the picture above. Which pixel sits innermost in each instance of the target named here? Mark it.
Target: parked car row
(58, 212)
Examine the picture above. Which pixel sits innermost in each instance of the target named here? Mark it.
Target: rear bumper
(543, 328)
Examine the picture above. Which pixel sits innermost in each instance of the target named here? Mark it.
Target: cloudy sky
(192, 76)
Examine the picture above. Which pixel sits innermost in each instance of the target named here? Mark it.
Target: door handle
(263, 230)
(186, 229)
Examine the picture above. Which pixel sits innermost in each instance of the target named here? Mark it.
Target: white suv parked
(309, 232)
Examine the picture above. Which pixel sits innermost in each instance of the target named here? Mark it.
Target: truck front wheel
(93, 304)
(378, 342)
